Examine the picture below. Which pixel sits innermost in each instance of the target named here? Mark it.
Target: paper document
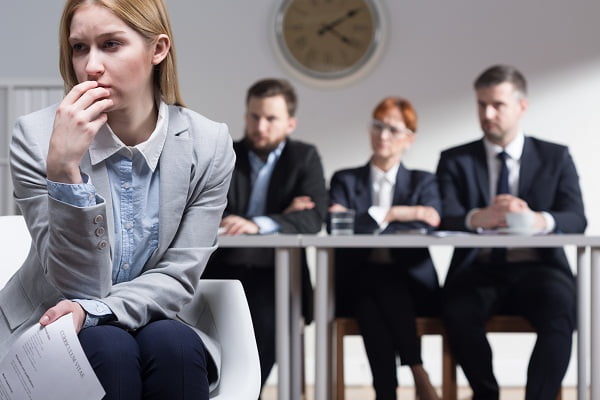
(48, 363)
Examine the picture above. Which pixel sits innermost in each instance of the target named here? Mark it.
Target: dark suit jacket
(298, 172)
(548, 182)
(352, 189)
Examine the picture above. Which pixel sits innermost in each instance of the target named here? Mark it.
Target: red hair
(409, 115)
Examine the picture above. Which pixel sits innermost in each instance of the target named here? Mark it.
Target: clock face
(328, 38)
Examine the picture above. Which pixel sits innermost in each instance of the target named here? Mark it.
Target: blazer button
(100, 231)
(102, 245)
(98, 219)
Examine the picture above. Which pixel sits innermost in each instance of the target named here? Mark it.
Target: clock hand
(343, 38)
(333, 24)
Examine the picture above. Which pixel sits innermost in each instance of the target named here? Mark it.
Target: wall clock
(329, 39)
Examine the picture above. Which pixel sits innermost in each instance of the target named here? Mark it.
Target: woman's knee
(170, 342)
(109, 346)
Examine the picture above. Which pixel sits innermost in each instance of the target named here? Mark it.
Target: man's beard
(263, 151)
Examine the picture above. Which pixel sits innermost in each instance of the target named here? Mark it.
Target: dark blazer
(548, 182)
(298, 172)
(352, 189)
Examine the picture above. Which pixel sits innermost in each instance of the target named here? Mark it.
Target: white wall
(435, 50)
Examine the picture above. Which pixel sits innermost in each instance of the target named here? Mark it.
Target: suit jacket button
(100, 231)
(102, 245)
(98, 219)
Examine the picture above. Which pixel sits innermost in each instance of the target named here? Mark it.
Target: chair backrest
(240, 367)
(14, 245)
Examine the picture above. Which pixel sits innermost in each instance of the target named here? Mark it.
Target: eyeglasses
(377, 128)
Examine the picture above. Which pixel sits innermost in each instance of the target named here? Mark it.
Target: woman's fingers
(79, 117)
(63, 308)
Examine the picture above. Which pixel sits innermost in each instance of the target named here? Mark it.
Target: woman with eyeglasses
(385, 289)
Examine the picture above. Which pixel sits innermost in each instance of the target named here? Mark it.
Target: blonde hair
(147, 17)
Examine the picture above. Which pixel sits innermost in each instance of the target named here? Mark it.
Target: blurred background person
(385, 289)
(483, 183)
(277, 187)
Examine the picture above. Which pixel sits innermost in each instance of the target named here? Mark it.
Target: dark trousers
(542, 294)
(259, 287)
(164, 360)
(387, 302)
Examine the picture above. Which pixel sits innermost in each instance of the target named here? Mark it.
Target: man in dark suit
(277, 186)
(508, 173)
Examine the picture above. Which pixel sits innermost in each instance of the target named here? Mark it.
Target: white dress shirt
(383, 184)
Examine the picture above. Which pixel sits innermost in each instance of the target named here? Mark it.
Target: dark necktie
(498, 255)
(502, 187)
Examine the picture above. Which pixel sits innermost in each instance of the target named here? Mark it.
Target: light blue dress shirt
(134, 181)
(260, 177)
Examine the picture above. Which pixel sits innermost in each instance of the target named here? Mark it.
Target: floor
(366, 393)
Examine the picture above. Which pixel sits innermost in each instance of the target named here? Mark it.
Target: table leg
(282, 322)
(595, 324)
(323, 318)
(583, 277)
(296, 324)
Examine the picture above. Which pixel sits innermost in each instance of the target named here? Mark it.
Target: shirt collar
(378, 174)
(514, 149)
(256, 162)
(107, 143)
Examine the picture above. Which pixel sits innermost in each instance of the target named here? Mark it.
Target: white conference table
(324, 293)
(288, 298)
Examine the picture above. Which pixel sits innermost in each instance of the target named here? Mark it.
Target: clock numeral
(310, 57)
(344, 57)
(301, 42)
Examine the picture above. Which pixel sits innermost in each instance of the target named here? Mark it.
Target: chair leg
(339, 354)
(449, 389)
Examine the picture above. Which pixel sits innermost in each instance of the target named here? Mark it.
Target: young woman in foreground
(122, 189)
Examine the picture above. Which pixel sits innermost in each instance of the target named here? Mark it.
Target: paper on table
(48, 363)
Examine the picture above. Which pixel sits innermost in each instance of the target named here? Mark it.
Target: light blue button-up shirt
(260, 177)
(134, 182)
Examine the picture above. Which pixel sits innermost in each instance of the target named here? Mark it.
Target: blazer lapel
(402, 187)
(481, 171)
(530, 163)
(175, 165)
(280, 180)
(363, 188)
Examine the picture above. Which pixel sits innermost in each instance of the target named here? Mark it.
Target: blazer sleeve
(567, 205)
(454, 191)
(310, 182)
(74, 258)
(424, 192)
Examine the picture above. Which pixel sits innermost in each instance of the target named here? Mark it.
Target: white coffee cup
(521, 221)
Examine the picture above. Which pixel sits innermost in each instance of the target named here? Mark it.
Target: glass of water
(342, 222)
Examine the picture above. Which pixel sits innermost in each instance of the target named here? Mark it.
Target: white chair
(14, 245)
(240, 368)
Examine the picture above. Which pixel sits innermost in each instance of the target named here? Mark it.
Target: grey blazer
(71, 252)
